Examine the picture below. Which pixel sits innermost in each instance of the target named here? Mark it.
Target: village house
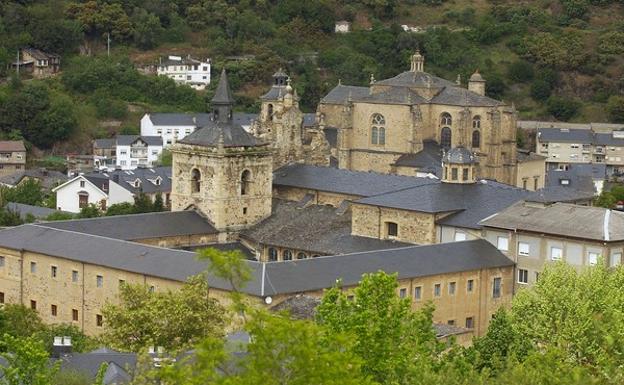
(12, 156)
(47, 179)
(534, 235)
(40, 64)
(127, 152)
(186, 70)
(107, 188)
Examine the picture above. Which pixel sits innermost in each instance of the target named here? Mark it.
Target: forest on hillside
(554, 59)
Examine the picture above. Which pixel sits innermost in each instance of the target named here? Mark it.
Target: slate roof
(607, 139)
(428, 160)
(223, 93)
(274, 93)
(395, 95)
(565, 135)
(104, 143)
(319, 229)
(561, 219)
(459, 96)
(126, 140)
(579, 177)
(470, 202)
(139, 226)
(266, 278)
(201, 119)
(12, 146)
(47, 178)
(126, 179)
(24, 210)
(459, 155)
(416, 79)
(228, 133)
(120, 365)
(343, 181)
(309, 119)
(340, 94)
(40, 55)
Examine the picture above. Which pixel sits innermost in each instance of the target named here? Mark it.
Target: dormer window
(158, 181)
(137, 183)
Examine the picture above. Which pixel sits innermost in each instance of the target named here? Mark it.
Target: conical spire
(223, 100)
(223, 95)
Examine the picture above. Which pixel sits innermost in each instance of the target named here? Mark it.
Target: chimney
(61, 347)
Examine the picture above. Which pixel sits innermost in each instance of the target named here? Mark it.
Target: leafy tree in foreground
(172, 319)
(27, 362)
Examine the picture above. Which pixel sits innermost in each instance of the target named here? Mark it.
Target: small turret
(459, 166)
(223, 100)
(418, 62)
(476, 83)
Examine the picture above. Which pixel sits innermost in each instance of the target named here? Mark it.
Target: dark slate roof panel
(428, 160)
(319, 229)
(343, 181)
(47, 178)
(223, 93)
(126, 178)
(232, 134)
(340, 94)
(459, 96)
(126, 140)
(104, 143)
(139, 226)
(407, 262)
(416, 79)
(395, 95)
(197, 119)
(90, 363)
(565, 135)
(274, 93)
(24, 210)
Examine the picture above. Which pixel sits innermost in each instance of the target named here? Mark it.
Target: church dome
(476, 77)
(458, 155)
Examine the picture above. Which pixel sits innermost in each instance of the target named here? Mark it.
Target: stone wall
(296, 194)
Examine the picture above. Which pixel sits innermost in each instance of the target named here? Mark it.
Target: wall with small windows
(320, 197)
(411, 226)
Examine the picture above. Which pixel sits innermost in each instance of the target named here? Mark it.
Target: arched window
(476, 139)
(245, 182)
(446, 119)
(287, 255)
(301, 256)
(378, 129)
(195, 181)
(445, 137)
(476, 122)
(272, 255)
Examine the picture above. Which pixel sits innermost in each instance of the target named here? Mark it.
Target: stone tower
(476, 83)
(222, 170)
(459, 166)
(281, 121)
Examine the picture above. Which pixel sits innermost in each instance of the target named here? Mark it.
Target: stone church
(403, 124)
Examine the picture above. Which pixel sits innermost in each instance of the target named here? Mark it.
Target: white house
(134, 151)
(108, 188)
(193, 72)
(172, 127)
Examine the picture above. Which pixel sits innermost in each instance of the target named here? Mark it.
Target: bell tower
(222, 170)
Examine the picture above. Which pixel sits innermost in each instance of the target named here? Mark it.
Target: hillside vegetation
(555, 59)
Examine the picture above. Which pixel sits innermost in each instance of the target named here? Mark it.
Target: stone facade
(413, 107)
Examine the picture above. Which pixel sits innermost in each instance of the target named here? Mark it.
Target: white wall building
(172, 127)
(193, 72)
(108, 188)
(137, 151)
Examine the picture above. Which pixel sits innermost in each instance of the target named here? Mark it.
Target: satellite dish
(268, 300)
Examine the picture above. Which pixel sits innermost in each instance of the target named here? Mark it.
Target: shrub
(562, 108)
(520, 71)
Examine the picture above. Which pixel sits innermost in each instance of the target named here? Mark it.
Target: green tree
(147, 31)
(562, 108)
(29, 192)
(89, 211)
(80, 342)
(395, 343)
(60, 216)
(142, 203)
(615, 109)
(520, 71)
(10, 218)
(19, 321)
(171, 319)
(123, 208)
(27, 362)
(165, 158)
(159, 205)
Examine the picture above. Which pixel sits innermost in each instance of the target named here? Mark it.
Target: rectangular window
(616, 259)
(469, 322)
(100, 281)
(556, 253)
(418, 292)
(502, 243)
(523, 276)
(454, 173)
(592, 258)
(33, 304)
(496, 288)
(451, 322)
(459, 236)
(392, 229)
(437, 290)
(74, 314)
(53, 310)
(99, 321)
(403, 292)
(452, 286)
(1, 297)
(33, 267)
(82, 183)
(53, 271)
(465, 174)
(523, 248)
(1, 261)
(74, 275)
(470, 285)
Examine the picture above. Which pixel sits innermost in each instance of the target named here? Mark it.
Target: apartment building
(534, 235)
(564, 146)
(127, 152)
(186, 70)
(12, 156)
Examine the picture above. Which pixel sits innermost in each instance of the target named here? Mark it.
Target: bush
(520, 71)
(495, 86)
(59, 216)
(540, 90)
(562, 108)
(615, 109)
